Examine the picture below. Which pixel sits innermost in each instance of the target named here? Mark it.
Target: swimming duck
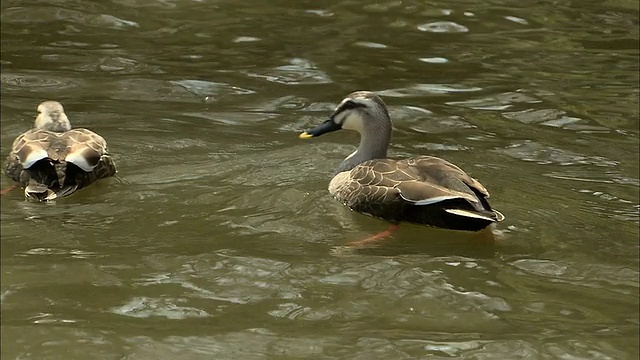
(424, 190)
(52, 160)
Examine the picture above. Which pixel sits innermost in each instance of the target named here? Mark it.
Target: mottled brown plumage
(52, 160)
(425, 190)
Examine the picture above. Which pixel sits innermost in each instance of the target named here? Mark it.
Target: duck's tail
(40, 192)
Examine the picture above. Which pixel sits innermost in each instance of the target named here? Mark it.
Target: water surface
(218, 241)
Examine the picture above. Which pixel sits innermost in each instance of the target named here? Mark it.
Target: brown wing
(371, 188)
(88, 151)
(84, 148)
(416, 179)
(12, 167)
(80, 147)
(31, 146)
(384, 188)
(27, 149)
(435, 177)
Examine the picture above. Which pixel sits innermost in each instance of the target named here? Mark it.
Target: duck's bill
(325, 127)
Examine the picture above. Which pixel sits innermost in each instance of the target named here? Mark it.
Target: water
(219, 240)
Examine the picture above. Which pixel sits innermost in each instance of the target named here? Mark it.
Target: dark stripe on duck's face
(348, 105)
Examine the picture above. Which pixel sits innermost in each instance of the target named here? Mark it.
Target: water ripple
(144, 307)
(443, 27)
(218, 245)
(298, 72)
(211, 89)
(371, 45)
(500, 101)
(594, 275)
(541, 154)
(425, 89)
(19, 82)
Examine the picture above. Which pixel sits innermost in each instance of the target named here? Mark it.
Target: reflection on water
(219, 240)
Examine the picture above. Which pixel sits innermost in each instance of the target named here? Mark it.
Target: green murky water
(217, 243)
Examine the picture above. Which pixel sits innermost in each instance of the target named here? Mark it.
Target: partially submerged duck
(424, 190)
(53, 160)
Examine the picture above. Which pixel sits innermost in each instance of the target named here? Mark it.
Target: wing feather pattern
(426, 190)
(60, 162)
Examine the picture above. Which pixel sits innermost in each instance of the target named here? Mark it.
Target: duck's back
(72, 159)
(422, 190)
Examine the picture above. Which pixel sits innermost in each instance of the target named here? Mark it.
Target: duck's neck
(371, 147)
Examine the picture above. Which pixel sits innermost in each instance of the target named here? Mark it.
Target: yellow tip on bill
(305, 135)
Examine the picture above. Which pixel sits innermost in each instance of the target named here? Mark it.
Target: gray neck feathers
(374, 141)
(57, 127)
(56, 122)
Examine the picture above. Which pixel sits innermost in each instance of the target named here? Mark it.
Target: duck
(424, 190)
(52, 160)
